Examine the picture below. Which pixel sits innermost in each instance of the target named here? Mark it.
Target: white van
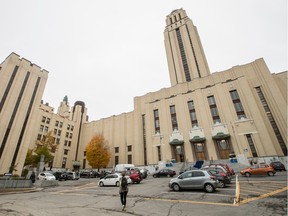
(124, 167)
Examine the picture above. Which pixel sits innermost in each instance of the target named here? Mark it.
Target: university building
(202, 116)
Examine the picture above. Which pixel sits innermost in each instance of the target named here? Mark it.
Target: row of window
(192, 112)
(129, 149)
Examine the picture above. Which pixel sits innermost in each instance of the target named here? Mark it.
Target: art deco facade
(202, 116)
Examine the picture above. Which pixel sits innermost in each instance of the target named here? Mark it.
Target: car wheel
(175, 187)
(221, 184)
(247, 174)
(209, 188)
(168, 175)
(117, 183)
(154, 176)
(270, 173)
(101, 184)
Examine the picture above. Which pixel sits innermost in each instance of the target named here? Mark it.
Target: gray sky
(105, 53)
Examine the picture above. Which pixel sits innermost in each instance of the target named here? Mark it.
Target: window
(198, 174)
(72, 127)
(173, 118)
(129, 159)
(65, 151)
(116, 149)
(60, 124)
(251, 144)
(58, 141)
(39, 137)
(55, 131)
(272, 120)
(69, 143)
(64, 162)
(84, 154)
(43, 119)
(67, 135)
(70, 136)
(66, 143)
(213, 109)
(237, 104)
(56, 123)
(116, 160)
(159, 153)
(48, 121)
(192, 113)
(129, 148)
(46, 129)
(68, 127)
(59, 133)
(41, 128)
(156, 121)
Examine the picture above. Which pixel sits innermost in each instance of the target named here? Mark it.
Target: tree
(97, 152)
(43, 147)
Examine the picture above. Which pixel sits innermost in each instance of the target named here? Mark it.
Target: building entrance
(200, 151)
(178, 153)
(224, 148)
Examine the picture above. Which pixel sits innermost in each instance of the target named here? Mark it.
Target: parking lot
(258, 196)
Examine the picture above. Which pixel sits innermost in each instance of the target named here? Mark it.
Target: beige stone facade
(21, 89)
(202, 116)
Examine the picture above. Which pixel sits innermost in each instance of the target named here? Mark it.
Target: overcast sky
(105, 53)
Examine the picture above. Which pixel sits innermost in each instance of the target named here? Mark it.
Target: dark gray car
(194, 179)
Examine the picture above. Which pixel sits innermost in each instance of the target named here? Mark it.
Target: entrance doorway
(200, 151)
(178, 153)
(224, 148)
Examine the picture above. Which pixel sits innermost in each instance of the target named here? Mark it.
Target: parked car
(143, 172)
(46, 176)
(278, 166)
(222, 178)
(112, 180)
(194, 179)
(89, 174)
(73, 175)
(134, 175)
(61, 176)
(164, 173)
(258, 169)
(221, 169)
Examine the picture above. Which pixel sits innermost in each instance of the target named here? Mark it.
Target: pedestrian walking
(123, 190)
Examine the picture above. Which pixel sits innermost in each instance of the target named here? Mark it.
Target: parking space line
(189, 201)
(263, 196)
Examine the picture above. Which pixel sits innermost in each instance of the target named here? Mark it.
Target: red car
(258, 169)
(134, 175)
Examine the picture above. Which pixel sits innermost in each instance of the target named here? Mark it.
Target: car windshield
(48, 174)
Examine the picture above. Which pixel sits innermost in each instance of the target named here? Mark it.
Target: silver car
(194, 179)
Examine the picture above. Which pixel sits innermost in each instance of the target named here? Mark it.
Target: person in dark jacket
(123, 190)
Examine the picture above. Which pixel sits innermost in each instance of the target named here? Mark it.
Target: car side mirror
(180, 177)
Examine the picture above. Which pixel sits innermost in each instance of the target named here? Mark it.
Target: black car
(278, 166)
(164, 173)
(61, 176)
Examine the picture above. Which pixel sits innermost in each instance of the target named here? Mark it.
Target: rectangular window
(129, 159)
(56, 123)
(116, 149)
(116, 160)
(156, 121)
(43, 119)
(67, 135)
(237, 104)
(48, 121)
(70, 136)
(192, 113)
(159, 153)
(69, 143)
(173, 118)
(68, 127)
(129, 148)
(41, 128)
(46, 129)
(58, 141)
(65, 151)
(39, 137)
(59, 133)
(60, 124)
(55, 131)
(64, 162)
(214, 110)
(72, 127)
(251, 144)
(66, 143)
(84, 154)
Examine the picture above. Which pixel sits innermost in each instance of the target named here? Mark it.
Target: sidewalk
(6, 191)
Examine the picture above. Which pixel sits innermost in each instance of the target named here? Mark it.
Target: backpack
(124, 183)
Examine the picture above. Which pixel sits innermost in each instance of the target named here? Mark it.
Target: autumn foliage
(97, 152)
